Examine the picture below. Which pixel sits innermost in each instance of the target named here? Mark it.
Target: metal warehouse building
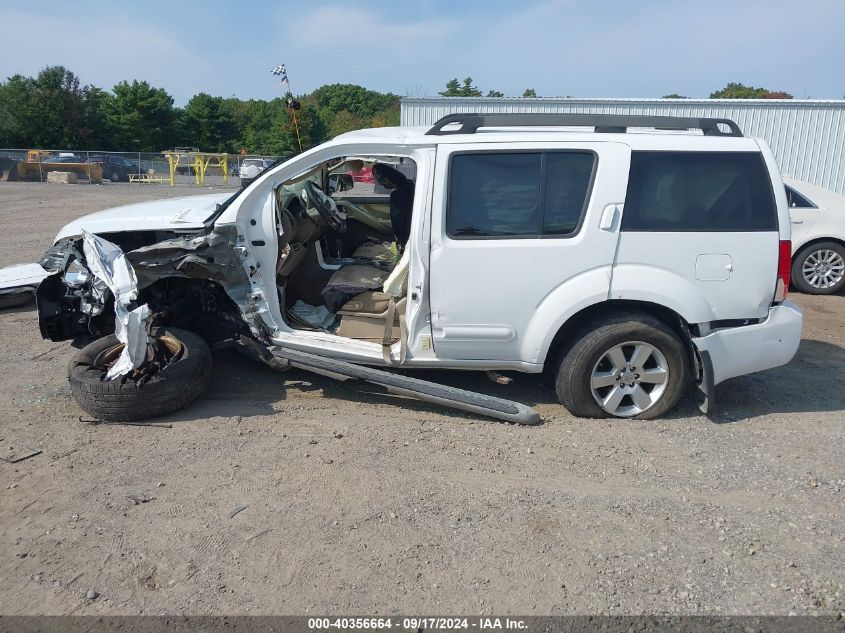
(806, 136)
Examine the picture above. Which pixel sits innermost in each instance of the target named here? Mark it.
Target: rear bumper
(744, 350)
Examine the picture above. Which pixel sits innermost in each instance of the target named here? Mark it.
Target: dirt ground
(293, 494)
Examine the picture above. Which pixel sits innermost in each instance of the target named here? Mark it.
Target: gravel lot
(356, 502)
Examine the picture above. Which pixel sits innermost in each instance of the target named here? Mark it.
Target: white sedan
(818, 237)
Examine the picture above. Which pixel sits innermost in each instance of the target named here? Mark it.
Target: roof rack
(608, 123)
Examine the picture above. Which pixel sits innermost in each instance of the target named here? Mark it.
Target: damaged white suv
(633, 257)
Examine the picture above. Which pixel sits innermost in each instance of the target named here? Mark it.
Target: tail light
(784, 267)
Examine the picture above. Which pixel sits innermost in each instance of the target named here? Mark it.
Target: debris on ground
(236, 511)
(139, 497)
(15, 453)
(261, 533)
(499, 379)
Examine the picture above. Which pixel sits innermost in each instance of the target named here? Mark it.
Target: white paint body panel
(157, 215)
(21, 275)
(491, 298)
(826, 221)
(744, 350)
(661, 268)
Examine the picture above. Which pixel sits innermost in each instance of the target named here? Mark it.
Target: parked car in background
(818, 237)
(251, 168)
(115, 167)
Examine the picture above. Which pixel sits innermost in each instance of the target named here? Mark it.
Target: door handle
(797, 221)
(608, 217)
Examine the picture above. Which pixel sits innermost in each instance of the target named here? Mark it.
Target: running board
(446, 396)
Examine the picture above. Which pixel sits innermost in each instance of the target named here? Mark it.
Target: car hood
(157, 215)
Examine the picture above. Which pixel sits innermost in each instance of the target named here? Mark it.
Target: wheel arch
(817, 240)
(666, 315)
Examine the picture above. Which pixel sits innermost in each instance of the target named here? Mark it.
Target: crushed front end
(196, 281)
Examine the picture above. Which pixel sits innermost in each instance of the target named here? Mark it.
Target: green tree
(16, 96)
(95, 133)
(357, 100)
(343, 121)
(529, 92)
(142, 117)
(281, 134)
(51, 110)
(739, 91)
(260, 120)
(495, 93)
(456, 89)
(386, 118)
(209, 123)
(674, 95)
(57, 108)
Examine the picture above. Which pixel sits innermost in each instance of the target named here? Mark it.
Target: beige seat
(375, 250)
(376, 315)
(365, 316)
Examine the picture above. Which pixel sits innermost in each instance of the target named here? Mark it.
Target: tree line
(733, 90)
(52, 110)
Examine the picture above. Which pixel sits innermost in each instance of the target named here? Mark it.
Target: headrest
(388, 177)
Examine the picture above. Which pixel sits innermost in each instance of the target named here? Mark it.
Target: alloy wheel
(823, 269)
(629, 378)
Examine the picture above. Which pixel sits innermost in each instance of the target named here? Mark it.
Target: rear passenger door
(514, 225)
(699, 234)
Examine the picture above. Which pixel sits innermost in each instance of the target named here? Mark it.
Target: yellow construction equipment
(39, 163)
(197, 163)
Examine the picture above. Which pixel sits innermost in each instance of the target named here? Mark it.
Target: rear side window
(524, 194)
(796, 200)
(699, 191)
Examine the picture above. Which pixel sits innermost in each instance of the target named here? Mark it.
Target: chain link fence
(181, 166)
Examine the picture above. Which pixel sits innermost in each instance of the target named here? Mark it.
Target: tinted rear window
(699, 191)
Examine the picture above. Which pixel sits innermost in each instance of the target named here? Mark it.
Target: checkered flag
(282, 72)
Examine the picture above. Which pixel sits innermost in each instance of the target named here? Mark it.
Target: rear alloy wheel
(819, 269)
(629, 379)
(629, 365)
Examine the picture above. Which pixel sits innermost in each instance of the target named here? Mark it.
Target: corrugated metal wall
(807, 137)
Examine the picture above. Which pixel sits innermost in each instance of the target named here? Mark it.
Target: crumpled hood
(156, 215)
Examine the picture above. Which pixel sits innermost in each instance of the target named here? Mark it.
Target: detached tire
(629, 365)
(119, 400)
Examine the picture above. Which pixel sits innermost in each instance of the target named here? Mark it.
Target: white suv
(630, 256)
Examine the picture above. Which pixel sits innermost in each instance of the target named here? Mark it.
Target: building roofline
(608, 100)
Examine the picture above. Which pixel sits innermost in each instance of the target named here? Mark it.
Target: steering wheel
(326, 207)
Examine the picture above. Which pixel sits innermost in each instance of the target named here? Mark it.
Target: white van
(631, 256)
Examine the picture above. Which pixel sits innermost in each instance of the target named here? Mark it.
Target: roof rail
(470, 123)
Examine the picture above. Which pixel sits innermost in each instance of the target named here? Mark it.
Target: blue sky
(583, 48)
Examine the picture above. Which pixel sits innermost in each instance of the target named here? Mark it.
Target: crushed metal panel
(218, 256)
(112, 271)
